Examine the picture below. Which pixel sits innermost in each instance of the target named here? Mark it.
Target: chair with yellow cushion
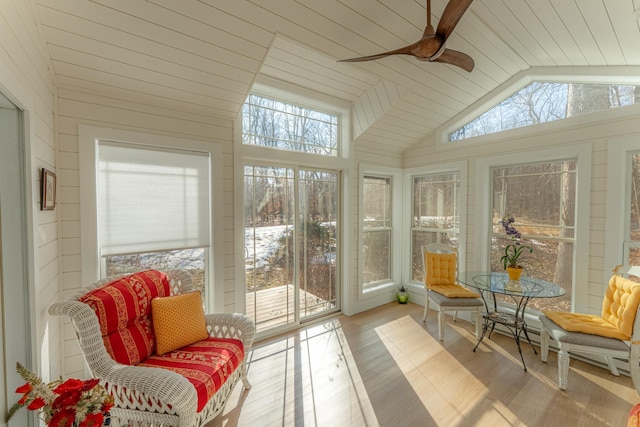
(442, 288)
(613, 334)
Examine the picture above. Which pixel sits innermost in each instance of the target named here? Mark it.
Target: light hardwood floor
(384, 367)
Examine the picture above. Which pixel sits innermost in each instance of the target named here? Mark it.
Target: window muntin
(377, 230)
(271, 123)
(542, 199)
(435, 214)
(541, 102)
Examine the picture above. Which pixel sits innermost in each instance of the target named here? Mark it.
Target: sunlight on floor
(313, 370)
(416, 353)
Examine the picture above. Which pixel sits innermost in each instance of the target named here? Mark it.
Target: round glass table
(520, 291)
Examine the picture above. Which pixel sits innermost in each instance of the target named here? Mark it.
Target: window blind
(151, 199)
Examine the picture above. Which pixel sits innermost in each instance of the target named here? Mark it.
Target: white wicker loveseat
(154, 396)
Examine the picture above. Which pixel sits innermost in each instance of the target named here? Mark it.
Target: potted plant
(514, 250)
(402, 295)
(72, 403)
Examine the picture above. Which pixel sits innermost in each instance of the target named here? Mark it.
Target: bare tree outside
(542, 102)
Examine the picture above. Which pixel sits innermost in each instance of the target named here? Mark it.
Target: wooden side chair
(442, 288)
(613, 334)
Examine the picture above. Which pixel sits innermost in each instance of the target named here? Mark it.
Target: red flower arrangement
(63, 403)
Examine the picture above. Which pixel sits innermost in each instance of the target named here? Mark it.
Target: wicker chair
(147, 396)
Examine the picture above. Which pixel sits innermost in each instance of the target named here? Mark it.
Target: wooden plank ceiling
(202, 56)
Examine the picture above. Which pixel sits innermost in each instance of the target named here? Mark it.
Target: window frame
(599, 75)
(409, 175)
(483, 227)
(382, 287)
(247, 154)
(89, 137)
(618, 189)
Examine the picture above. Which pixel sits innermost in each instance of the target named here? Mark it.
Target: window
(377, 230)
(293, 207)
(542, 199)
(435, 214)
(154, 207)
(542, 102)
(280, 125)
(632, 233)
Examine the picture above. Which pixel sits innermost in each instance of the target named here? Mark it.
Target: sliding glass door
(291, 245)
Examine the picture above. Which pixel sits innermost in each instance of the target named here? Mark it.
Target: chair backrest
(90, 330)
(123, 308)
(440, 263)
(631, 273)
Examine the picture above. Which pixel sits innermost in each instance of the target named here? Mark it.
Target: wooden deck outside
(274, 307)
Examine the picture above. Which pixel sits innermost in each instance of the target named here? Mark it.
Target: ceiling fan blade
(459, 59)
(407, 50)
(450, 17)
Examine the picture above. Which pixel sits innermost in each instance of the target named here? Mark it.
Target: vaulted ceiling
(203, 56)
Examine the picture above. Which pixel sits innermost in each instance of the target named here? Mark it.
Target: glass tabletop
(499, 283)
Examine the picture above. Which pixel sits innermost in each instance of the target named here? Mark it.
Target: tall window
(632, 240)
(435, 214)
(542, 199)
(275, 124)
(292, 208)
(153, 209)
(377, 230)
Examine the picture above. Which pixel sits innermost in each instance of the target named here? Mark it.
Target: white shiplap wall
(75, 108)
(25, 78)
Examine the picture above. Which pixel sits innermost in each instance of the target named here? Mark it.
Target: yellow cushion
(585, 323)
(620, 303)
(454, 291)
(178, 321)
(441, 269)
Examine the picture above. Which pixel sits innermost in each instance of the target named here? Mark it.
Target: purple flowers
(513, 251)
(510, 230)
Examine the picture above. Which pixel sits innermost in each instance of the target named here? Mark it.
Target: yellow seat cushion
(454, 291)
(178, 321)
(619, 309)
(585, 323)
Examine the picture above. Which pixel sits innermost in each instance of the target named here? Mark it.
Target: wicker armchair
(147, 396)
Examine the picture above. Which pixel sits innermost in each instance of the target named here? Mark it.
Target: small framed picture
(47, 190)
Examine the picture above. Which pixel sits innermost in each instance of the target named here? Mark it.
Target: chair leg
(634, 366)
(544, 344)
(245, 380)
(612, 366)
(455, 315)
(563, 366)
(426, 307)
(441, 324)
(478, 321)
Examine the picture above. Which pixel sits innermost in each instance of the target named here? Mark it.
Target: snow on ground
(264, 243)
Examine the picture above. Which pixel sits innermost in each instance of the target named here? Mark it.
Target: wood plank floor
(275, 306)
(384, 367)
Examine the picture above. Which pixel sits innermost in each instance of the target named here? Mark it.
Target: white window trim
(89, 136)
(482, 233)
(343, 163)
(617, 208)
(396, 226)
(596, 75)
(454, 167)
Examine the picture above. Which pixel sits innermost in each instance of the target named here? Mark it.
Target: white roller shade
(152, 199)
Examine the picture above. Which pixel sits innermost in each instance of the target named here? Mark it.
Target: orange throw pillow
(178, 321)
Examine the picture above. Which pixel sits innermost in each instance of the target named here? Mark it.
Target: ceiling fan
(431, 47)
